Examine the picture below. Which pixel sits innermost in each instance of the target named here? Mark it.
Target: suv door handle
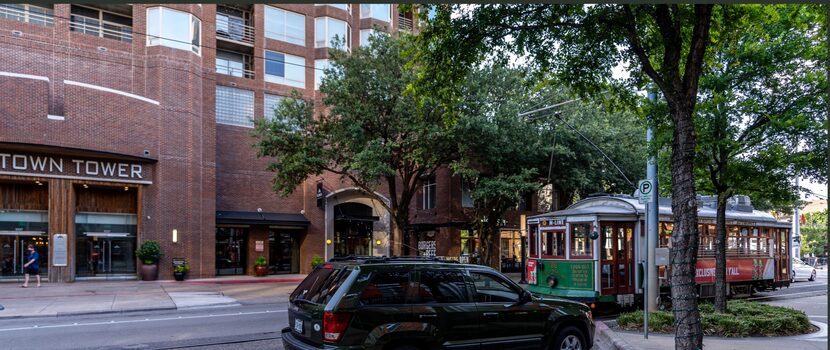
(490, 314)
(428, 316)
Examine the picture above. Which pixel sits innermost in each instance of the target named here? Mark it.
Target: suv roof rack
(386, 259)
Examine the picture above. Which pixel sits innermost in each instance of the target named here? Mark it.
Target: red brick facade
(156, 105)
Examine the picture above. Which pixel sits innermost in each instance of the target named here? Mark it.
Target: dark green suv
(409, 304)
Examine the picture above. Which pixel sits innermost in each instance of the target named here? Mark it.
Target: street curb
(607, 335)
(84, 313)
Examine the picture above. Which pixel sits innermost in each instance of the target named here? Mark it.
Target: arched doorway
(356, 224)
(353, 228)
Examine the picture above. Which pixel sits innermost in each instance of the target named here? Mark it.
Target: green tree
(814, 234)
(369, 130)
(498, 151)
(760, 97)
(580, 45)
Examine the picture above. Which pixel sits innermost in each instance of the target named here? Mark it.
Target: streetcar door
(781, 249)
(617, 258)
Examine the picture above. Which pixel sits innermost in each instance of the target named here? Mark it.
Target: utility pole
(652, 222)
(796, 241)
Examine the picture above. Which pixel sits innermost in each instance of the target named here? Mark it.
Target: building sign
(72, 168)
(321, 196)
(59, 250)
(260, 246)
(531, 272)
(426, 248)
(736, 270)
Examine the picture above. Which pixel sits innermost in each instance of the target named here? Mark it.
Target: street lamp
(523, 232)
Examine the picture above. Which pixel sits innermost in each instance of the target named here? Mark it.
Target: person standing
(32, 266)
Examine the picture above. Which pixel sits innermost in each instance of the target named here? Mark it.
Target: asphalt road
(249, 326)
(240, 327)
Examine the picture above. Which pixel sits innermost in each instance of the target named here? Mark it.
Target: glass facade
(18, 229)
(231, 250)
(105, 244)
(234, 106)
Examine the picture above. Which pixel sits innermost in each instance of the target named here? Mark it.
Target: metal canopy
(264, 218)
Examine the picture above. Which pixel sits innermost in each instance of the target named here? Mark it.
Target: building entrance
(231, 250)
(24, 220)
(353, 224)
(283, 251)
(105, 245)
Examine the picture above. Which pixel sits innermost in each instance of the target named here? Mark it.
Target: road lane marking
(99, 323)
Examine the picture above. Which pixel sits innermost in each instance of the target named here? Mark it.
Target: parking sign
(645, 187)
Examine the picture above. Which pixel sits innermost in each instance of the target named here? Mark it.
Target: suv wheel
(569, 338)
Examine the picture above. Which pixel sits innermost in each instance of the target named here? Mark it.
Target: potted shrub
(179, 271)
(317, 261)
(149, 253)
(260, 266)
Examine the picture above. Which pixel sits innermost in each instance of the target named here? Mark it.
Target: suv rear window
(321, 284)
(385, 287)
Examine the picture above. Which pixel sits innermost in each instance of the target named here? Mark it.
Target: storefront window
(283, 255)
(581, 243)
(18, 229)
(469, 242)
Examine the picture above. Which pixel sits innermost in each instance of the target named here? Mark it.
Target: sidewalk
(624, 340)
(93, 297)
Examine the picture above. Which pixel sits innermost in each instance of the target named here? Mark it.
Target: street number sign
(645, 187)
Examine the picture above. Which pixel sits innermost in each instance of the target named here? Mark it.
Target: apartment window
(381, 12)
(101, 23)
(271, 104)
(319, 71)
(365, 34)
(233, 24)
(172, 28)
(466, 194)
(284, 26)
(234, 64)
(344, 7)
(28, 13)
(284, 69)
(326, 29)
(234, 106)
(428, 193)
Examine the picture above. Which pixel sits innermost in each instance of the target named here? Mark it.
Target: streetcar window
(532, 242)
(665, 234)
(580, 241)
(553, 244)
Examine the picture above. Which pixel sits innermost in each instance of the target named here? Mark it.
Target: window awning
(264, 218)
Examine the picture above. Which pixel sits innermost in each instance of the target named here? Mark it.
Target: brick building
(125, 123)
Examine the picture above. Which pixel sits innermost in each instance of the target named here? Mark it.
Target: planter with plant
(149, 253)
(316, 261)
(179, 271)
(261, 266)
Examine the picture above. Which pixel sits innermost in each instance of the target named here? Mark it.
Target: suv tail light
(334, 324)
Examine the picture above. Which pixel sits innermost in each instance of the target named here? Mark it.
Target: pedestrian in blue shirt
(32, 267)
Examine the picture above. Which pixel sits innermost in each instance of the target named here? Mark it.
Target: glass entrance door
(105, 255)
(18, 229)
(231, 250)
(282, 252)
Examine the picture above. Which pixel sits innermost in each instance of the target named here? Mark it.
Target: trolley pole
(652, 220)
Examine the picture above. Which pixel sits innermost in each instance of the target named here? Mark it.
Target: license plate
(298, 326)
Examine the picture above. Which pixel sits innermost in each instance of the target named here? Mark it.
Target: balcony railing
(404, 23)
(93, 26)
(235, 71)
(28, 13)
(234, 28)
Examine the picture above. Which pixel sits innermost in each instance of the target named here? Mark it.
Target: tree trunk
(688, 335)
(489, 252)
(720, 256)
(399, 221)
